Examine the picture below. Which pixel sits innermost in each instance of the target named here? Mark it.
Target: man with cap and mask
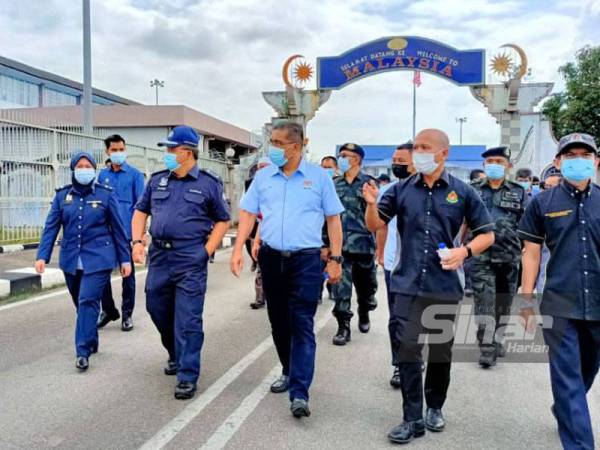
(127, 183)
(358, 250)
(567, 220)
(189, 219)
(388, 242)
(494, 272)
(94, 242)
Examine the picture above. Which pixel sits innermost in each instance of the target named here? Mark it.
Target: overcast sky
(218, 55)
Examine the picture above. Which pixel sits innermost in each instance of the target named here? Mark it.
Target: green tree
(577, 109)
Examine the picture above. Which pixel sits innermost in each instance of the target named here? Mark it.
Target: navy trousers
(85, 290)
(574, 353)
(392, 323)
(128, 302)
(292, 285)
(175, 289)
(410, 319)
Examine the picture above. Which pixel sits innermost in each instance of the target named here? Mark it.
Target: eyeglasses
(281, 144)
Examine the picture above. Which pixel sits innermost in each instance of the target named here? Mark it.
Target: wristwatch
(137, 241)
(469, 251)
(336, 259)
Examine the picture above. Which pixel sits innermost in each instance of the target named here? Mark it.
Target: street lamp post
(461, 121)
(156, 83)
(87, 70)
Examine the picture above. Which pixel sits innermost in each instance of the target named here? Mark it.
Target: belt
(175, 243)
(291, 254)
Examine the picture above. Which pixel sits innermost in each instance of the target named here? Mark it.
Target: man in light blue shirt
(127, 183)
(388, 239)
(294, 198)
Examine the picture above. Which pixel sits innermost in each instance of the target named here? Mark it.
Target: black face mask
(400, 171)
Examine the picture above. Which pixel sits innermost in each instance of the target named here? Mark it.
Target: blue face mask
(524, 184)
(343, 164)
(277, 156)
(494, 171)
(118, 158)
(84, 176)
(331, 172)
(535, 189)
(577, 169)
(170, 160)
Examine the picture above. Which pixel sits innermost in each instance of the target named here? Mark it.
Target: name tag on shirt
(94, 203)
(307, 184)
(555, 214)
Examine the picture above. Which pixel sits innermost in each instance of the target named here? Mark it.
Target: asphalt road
(125, 402)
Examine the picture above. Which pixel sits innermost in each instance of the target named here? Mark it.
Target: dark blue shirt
(184, 208)
(93, 232)
(568, 222)
(426, 218)
(128, 186)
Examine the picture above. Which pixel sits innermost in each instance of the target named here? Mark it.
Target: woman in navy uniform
(94, 242)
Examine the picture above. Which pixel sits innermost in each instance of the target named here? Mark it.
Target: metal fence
(34, 161)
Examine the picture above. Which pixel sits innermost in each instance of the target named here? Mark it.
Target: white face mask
(425, 162)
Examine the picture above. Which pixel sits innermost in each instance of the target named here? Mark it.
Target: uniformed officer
(494, 272)
(567, 220)
(189, 219)
(388, 243)
(128, 185)
(359, 247)
(294, 198)
(329, 163)
(94, 242)
(431, 207)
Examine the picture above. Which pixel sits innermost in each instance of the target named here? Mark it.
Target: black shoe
(343, 335)
(396, 381)
(469, 293)
(280, 385)
(104, 319)
(257, 304)
(82, 363)
(487, 358)
(185, 390)
(407, 431)
(500, 350)
(171, 368)
(364, 324)
(434, 420)
(127, 324)
(300, 408)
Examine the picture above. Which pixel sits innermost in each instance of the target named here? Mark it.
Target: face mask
(425, 162)
(494, 171)
(277, 156)
(578, 169)
(84, 176)
(535, 189)
(400, 171)
(331, 172)
(118, 158)
(343, 164)
(170, 160)
(524, 184)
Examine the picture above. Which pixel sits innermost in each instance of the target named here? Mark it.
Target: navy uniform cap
(503, 152)
(577, 140)
(181, 135)
(354, 148)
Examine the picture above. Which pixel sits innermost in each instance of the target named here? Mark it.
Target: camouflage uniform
(358, 251)
(494, 273)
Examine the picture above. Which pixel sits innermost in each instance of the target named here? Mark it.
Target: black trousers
(413, 320)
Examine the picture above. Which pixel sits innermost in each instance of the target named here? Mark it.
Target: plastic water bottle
(443, 252)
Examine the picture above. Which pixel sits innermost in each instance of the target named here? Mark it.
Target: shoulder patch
(160, 172)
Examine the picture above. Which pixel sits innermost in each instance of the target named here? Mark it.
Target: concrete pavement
(125, 402)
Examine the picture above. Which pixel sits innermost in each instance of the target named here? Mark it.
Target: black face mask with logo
(400, 171)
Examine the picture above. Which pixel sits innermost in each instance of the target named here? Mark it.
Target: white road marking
(179, 422)
(57, 293)
(229, 427)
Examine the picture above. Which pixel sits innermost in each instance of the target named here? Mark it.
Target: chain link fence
(34, 161)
